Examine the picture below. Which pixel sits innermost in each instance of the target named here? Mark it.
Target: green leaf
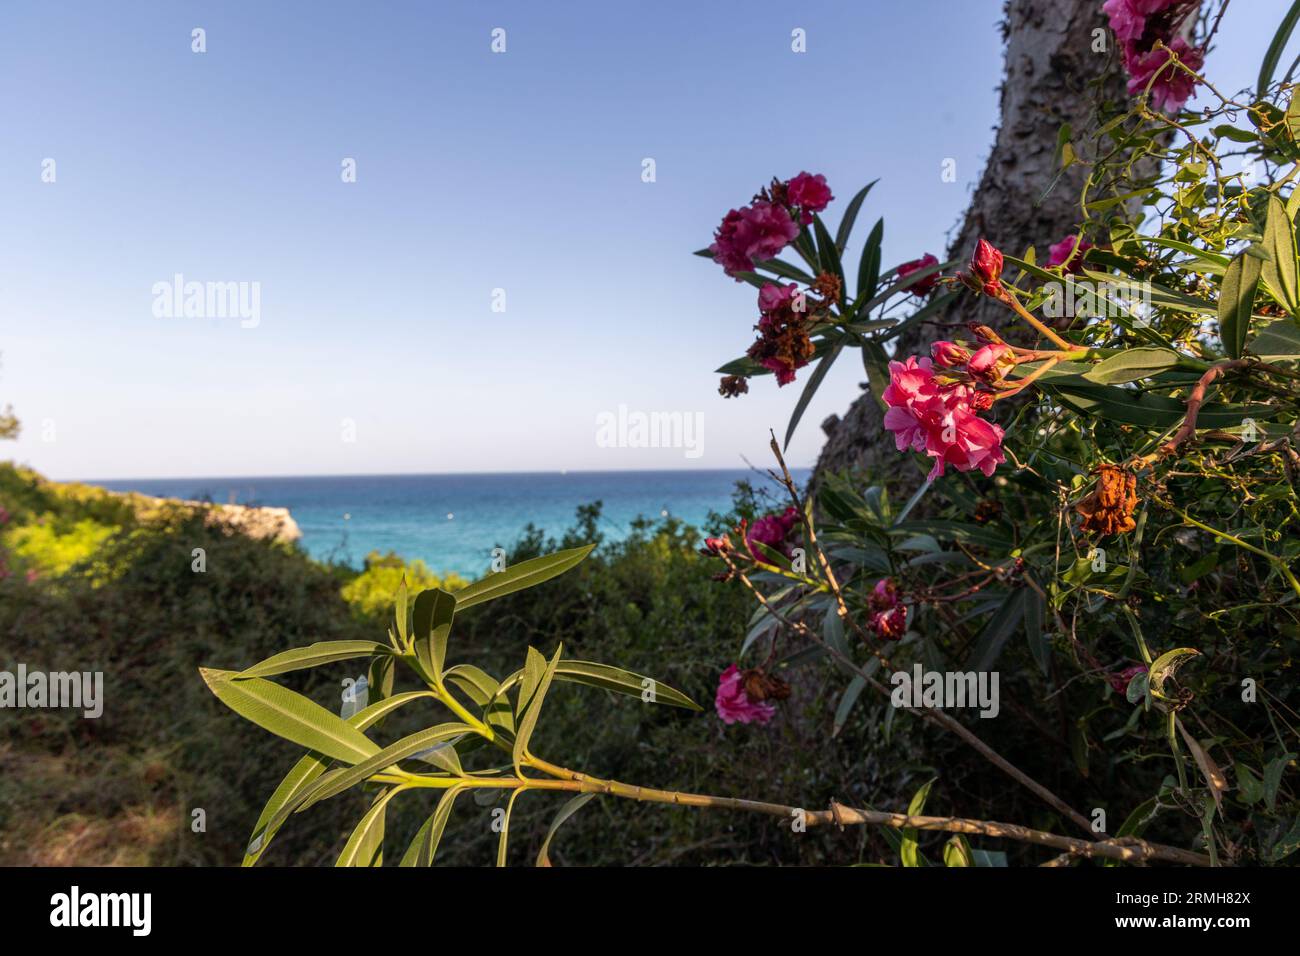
(434, 610)
(1250, 789)
(313, 655)
(424, 847)
(1131, 365)
(403, 749)
(1004, 622)
(1278, 340)
(621, 681)
(827, 254)
(1127, 406)
(529, 721)
(1040, 643)
(531, 678)
(502, 843)
(850, 216)
(289, 715)
(366, 845)
(876, 364)
(1275, 48)
(1280, 271)
(909, 850)
(869, 265)
(294, 786)
(1163, 667)
(810, 388)
(475, 683)
(526, 574)
(566, 811)
(1273, 778)
(847, 699)
(784, 269)
(1236, 297)
(401, 612)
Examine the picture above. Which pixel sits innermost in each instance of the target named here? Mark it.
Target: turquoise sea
(453, 522)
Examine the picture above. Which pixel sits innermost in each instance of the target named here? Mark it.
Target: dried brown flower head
(760, 685)
(733, 385)
(1109, 509)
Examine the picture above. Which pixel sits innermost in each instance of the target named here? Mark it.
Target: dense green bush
(121, 788)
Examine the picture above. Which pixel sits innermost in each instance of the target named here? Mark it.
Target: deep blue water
(453, 522)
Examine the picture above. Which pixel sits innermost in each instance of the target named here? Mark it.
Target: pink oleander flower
(734, 705)
(924, 286)
(771, 530)
(948, 354)
(986, 268)
(939, 420)
(1120, 681)
(1061, 251)
(1174, 87)
(1128, 18)
(809, 194)
(773, 297)
(759, 231)
(991, 363)
(891, 624)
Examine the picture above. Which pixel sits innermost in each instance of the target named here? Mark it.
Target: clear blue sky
(476, 171)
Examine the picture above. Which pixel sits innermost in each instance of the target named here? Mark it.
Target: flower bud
(986, 267)
(948, 354)
(991, 363)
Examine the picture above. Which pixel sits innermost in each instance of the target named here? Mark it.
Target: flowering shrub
(1118, 541)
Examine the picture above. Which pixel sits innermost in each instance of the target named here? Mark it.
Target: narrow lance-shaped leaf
(810, 389)
(1132, 365)
(1280, 271)
(566, 811)
(529, 720)
(313, 655)
(403, 749)
(622, 681)
(305, 772)
(289, 715)
(366, 845)
(1236, 299)
(503, 842)
(910, 850)
(1274, 53)
(850, 216)
(869, 266)
(522, 575)
(425, 845)
(432, 619)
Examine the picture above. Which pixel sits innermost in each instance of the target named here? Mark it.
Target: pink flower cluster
(938, 417)
(769, 223)
(888, 615)
(734, 705)
(771, 530)
(1139, 25)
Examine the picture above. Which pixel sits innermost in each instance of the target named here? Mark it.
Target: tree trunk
(1052, 78)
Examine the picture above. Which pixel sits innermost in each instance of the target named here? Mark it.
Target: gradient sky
(476, 171)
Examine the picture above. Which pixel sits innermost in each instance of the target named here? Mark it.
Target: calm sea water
(453, 522)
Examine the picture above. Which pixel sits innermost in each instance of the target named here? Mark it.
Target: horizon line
(431, 474)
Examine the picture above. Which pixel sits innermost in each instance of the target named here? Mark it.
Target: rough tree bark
(1052, 77)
